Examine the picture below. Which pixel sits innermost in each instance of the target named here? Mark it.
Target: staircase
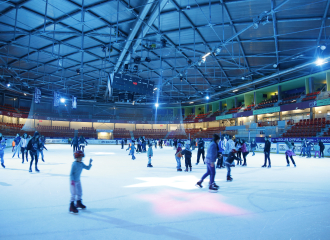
(132, 134)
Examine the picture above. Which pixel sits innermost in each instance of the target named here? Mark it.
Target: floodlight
(156, 105)
(207, 97)
(8, 84)
(320, 62)
(323, 47)
(78, 71)
(275, 65)
(62, 100)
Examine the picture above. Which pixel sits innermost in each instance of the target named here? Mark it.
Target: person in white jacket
(150, 154)
(230, 145)
(23, 143)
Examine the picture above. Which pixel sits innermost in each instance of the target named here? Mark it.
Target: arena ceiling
(71, 46)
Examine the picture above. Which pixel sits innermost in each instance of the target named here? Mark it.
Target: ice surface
(127, 200)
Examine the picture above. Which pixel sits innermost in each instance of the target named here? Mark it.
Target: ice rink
(127, 200)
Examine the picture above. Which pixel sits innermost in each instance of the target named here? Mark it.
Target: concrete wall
(61, 123)
(79, 125)
(97, 125)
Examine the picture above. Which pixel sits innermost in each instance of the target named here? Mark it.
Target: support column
(311, 84)
(220, 105)
(255, 118)
(328, 80)
(236, 121)
(279, 89)
(280, 116)
(206, 108)
(306, 86)
(311, 113)
(235, 102)
(114, 126)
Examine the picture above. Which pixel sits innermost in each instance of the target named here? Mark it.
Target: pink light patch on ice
(174, 203)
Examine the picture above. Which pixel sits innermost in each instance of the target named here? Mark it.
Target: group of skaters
(78, 144)
(22, 145)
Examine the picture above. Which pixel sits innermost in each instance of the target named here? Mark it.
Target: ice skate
(73, 208)
(199, 184)
(30, 170)
(186, 170)
(294, 165)
(229, 179)
(80, 205)
(43, 160)
(212, 188)
(244, 165)
(37, 170)
(215, 185)
(3, 165)
(179, 170)
(269, 166)
(190, 169)
(288, 165)
(197, 163)
(263, 166)
(149, 165)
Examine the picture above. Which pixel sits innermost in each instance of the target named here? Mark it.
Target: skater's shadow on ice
(151, 230)
(4, 184)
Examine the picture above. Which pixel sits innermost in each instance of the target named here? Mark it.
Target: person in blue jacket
(17, 140)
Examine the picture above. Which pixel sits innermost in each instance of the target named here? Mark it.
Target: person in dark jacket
(201, 150)
(187, 157)
(211, 157)
(267, 152)
(81, 143)
(222, 147)
(74, 143)
(122, 143)
(321, 148)
(229, 161)
(34, 146)
(42, 147)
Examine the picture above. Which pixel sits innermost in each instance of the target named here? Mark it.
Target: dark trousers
(322, 152)
(228, 165)
(210, 171)
(75, 147)
(303, 151)
(287, 160)
(24, 151)
(220, 161)
(122, 146)
(34, 157)
(82, 148)
(199, 153)
(187, 162)
(267, 156)
(244, 157)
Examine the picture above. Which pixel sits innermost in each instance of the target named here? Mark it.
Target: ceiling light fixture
(235, 90)
(320, 62)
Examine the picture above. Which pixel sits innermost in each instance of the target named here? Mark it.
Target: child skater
(245, 152)
(132, 150)
(187, 157)
(75, 187)
(150, 154)
(178, 156)
(23, 143)
(2, 151)
(229, 161)
(17, 140)
(317, 149)
(254, 146)
(289, 153)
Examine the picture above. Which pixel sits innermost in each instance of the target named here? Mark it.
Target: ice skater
(289, 154)
(122, 143)
(3, 146)
(254, 146)
(309, 149)
(75, 184)
(267, 152)
(229, 161)
(317, 150)
(245, 152)
(321, 148)
(303, 147)
(74, 143)
(187, 157)
(178, 156)
(132, 150)
(230, 145)
(222, 147)
(23, 144)
(238, 146)
(150, 155)
(17, 149)
(81, 143)
(201, 150)
(33, 146)
(211, 157)
(42, 147)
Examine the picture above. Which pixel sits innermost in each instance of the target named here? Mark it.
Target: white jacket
(23, 142)
(230, 145)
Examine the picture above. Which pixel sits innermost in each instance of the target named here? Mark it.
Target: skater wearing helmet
(75, 185)
(211, 157)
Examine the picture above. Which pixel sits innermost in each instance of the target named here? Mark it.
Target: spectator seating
(249, 108)
(233, 110)
(217, 113)
(150, 133)
(121, 133)
(190, 116)
(311, 96)
(307, 128)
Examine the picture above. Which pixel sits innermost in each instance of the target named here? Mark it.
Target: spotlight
(217, 51)
(156, 105)
(235, 90)
(62, 100)
(24, 94)
(323, 47)
(320, 62)
(181, 78)
(275, 65)
(78, 71)
(243, 78)
(8, 84)
(188, 7)
(207, 97)
(148, 59)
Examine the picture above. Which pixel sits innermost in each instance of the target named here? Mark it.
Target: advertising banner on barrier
(90, 141)
(227, 116)
(273, 147)
(266, 110)
(311, 139)
(11, 114)
(295, 106)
